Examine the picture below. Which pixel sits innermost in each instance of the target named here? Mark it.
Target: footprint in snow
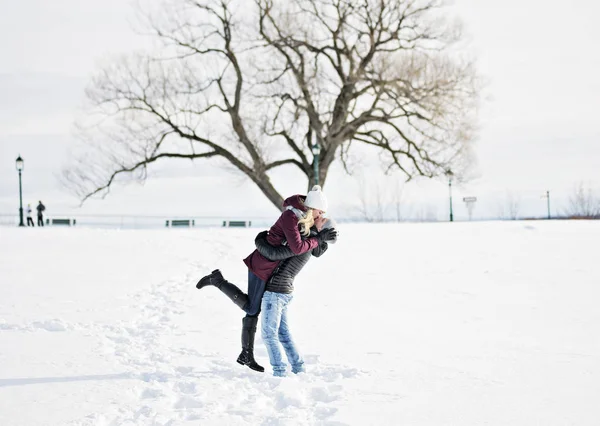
(188, 388)
(187, 402)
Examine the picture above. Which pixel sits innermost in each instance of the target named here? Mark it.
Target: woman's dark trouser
(256, 289)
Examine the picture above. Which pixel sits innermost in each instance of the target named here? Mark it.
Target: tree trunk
(264, 183)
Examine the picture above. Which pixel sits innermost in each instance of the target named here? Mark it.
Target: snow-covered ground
(407, 324)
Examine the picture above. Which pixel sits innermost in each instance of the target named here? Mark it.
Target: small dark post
(450, 175)
(20, 164)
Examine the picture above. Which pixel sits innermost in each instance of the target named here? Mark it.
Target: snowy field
(407, 324)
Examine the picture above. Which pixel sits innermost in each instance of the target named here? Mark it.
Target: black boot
(247, 355)
(214, 278)
(230, 290)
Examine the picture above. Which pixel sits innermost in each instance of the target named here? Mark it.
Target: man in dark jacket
(278, 294)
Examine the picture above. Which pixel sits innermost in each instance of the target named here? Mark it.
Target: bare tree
(259, 86)
(513, 205)
(500, 209)
(380, 206)
(363, 209)
(398, 200)
(372, 197)
(379, 201)
(427, 213)
(509, 206)
(583, 203)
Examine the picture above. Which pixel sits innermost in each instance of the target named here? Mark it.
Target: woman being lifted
(300, 213)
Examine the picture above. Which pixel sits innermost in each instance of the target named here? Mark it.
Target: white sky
(538, 122)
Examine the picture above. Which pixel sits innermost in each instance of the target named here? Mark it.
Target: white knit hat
(316, 199)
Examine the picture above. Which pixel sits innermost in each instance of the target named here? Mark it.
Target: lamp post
(316, 150)
(20, 163)
(450, 176)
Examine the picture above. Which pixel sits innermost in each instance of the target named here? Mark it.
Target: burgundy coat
(285, 229)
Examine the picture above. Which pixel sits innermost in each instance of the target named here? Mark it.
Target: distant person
(40, 213)
(29, 218)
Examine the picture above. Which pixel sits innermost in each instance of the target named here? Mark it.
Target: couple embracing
(281, 252)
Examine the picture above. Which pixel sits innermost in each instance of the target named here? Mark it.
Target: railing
(145, 222)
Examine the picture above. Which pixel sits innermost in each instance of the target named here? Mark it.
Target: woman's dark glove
(327, 234)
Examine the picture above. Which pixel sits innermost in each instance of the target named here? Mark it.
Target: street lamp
(450, 176)
(548, 197)
(20, 164)
(316, 150)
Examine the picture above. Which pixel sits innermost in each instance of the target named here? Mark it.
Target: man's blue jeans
(275, 331)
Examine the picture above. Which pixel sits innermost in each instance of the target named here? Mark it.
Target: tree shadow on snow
(41, 380)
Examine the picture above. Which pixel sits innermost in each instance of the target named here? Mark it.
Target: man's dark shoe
(214, 278)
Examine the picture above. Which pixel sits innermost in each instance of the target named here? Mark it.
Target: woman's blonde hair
(306, 223)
